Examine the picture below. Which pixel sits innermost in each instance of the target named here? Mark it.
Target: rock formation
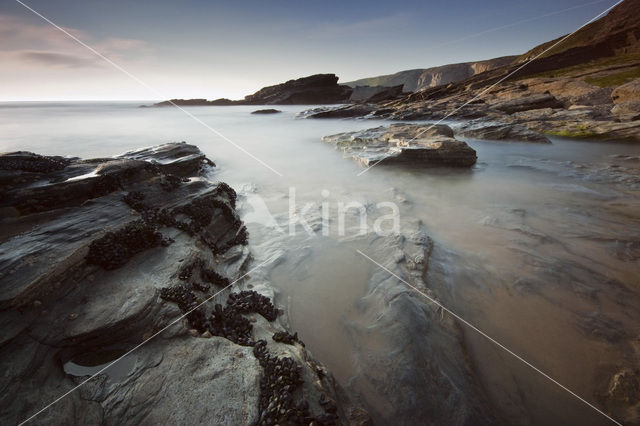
(409, 144)
(102, 256)
(428, 353)
(314, 89)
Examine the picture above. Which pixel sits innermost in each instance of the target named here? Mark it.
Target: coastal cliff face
(101, 257)
(446, 74)
(418, 79)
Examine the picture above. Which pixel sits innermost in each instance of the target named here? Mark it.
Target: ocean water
(544, 236)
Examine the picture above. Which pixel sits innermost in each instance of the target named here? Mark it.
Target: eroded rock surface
(425, 374)
(423, 145)
(499, 132)
(99, 256)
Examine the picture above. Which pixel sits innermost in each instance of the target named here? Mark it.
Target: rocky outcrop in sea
(408, 144)
(142, 260)
(314, 89)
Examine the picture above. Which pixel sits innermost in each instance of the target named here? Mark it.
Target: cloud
(27, 44)
(58, 59)
(121, 44)
(17, 32)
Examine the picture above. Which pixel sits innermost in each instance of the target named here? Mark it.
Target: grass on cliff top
(615, 79)
(587, 66)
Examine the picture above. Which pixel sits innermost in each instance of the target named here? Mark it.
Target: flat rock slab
(528, 103)
(501, 132)
(407, 144)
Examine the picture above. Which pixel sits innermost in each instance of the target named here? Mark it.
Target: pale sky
(212, 49)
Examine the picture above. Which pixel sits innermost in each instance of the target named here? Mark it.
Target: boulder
(409, 144)
(629, 92)
(631, 108)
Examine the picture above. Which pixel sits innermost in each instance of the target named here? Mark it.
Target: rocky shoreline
(101, 255)
(524, 110)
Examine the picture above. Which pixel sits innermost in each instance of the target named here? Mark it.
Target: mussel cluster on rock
(186, 271)
(181, 296)
(198, 213)
(282, 377)
(170, 182)
(227, 321)
(135, 200)
(286, 337)
(210, 276)
(115, 248)
(251, 301)
(29, 162)
(231, 193)
(202, 287)
(207, 275)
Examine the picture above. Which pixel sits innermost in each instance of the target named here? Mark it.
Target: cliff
(418, 79)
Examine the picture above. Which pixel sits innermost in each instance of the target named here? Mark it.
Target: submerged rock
(421, 371)
(266, 111)
(410, 144)
(95, 259)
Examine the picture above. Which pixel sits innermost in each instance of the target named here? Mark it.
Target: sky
(212, 49)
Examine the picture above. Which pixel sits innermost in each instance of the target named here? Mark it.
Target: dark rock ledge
(98, 255)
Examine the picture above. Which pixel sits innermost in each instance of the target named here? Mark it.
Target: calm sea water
(524, 213)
